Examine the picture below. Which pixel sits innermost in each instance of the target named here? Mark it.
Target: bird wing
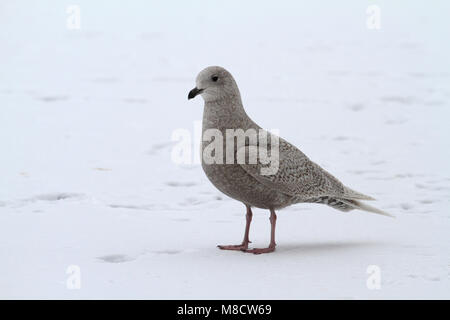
(298, 176)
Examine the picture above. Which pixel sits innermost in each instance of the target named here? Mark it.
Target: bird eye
(215, 78)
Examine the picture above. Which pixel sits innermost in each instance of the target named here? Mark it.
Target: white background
(86, 176)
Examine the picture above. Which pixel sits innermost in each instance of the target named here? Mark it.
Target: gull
(296, 179)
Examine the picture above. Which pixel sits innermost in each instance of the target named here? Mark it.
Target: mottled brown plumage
(298, 179)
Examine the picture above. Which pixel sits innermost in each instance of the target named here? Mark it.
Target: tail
(365, 207)
(348, 205)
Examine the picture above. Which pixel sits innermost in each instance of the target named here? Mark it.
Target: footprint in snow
(116, 258)
(130, 206)
(50, 197)
(356, 107)
(406, 206)
(156, 148)
(167, 252)
(180, 184)
(53, 98)
(56, 196)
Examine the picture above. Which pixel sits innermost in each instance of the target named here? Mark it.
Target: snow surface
(87, 178)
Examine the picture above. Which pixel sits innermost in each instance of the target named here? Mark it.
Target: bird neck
(225, 114)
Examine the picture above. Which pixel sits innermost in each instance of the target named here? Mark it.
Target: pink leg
(271, 247)
(246, 241)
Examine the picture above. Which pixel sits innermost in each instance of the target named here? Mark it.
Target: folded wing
(298, 176)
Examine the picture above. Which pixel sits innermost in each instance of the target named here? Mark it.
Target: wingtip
(384, 213)
(352, 194)
(365, 207)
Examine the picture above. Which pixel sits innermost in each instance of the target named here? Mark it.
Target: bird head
(214, 83)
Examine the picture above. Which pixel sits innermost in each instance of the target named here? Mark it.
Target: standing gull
(297, 179)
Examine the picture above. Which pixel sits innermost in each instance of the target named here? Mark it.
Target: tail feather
(365, 207)
(346, 205)
(352, 194)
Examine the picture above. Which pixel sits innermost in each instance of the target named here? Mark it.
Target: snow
(88, 179)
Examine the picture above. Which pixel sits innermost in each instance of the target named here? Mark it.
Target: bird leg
(271, 247)
(246, 241)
